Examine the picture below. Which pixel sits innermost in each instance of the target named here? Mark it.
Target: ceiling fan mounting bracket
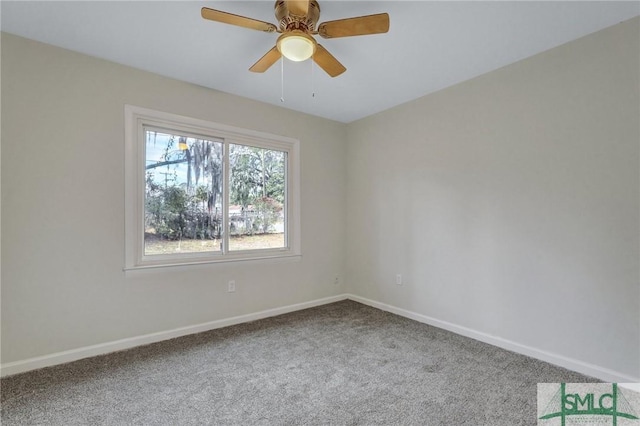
(290, 21)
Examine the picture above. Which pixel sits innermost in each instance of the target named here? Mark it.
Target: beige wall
(510, 203)
(63, 286)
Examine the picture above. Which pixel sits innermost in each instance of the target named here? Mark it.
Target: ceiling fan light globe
(296, 47)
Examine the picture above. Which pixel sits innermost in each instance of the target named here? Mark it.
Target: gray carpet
(340, 364)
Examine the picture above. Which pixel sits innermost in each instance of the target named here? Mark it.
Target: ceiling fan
(297, 21)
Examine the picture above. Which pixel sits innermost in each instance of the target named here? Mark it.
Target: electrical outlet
(336, 280)
(231, 286)
(398, 279)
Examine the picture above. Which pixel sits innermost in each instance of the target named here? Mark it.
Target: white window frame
(135, 119)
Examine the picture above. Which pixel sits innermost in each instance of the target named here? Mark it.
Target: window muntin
(238, 200)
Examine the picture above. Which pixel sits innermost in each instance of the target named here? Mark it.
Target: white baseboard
(22, 366)
(595, 371)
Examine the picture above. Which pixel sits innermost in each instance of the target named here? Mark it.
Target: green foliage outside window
(183, 194)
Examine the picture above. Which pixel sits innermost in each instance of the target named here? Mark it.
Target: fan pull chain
(282, 80)
(313, 85)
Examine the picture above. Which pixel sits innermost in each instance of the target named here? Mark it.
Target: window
(200, 192)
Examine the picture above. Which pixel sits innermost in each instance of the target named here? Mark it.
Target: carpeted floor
(339, 364)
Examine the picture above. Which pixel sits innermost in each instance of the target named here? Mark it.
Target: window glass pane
(256, 198)
(183, 194)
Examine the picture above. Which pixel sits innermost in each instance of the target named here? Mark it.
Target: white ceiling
(430, 45)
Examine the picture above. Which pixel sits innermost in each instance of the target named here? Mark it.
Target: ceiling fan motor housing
(289, 21)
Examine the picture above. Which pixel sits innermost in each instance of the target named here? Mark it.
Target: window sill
(266, 258)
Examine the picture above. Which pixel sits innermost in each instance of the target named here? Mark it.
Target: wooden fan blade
(361, 25)
(327, 62)
(298, 7)
(240, 21)
(264, 63)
